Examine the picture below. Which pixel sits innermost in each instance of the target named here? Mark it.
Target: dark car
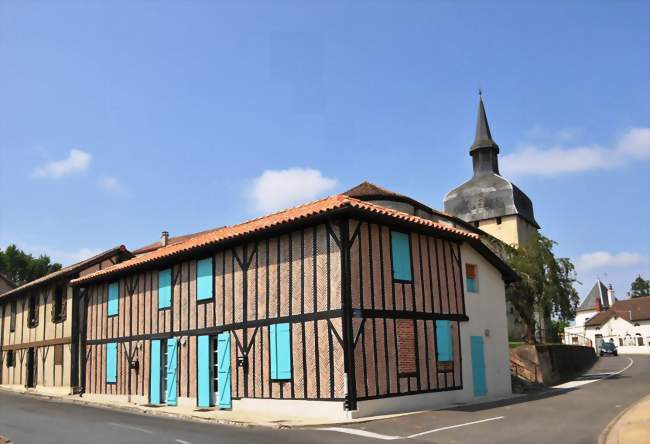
(608, 348)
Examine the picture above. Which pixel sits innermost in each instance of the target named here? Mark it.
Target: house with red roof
(361, 303)
(626, 323)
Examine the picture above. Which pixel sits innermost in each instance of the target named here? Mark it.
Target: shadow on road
(549, 393)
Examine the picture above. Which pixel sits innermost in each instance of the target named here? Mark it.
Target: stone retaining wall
(555, 363)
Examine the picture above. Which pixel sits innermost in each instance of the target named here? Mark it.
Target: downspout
(350, 385)
(74, 349)
(2, 336)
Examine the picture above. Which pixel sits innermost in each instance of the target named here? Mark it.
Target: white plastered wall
(618, 329)
(487, 318)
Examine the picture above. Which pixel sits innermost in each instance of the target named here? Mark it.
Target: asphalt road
(573, 415)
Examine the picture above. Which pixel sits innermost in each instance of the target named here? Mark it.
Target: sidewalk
(632, 427)
(212, 415)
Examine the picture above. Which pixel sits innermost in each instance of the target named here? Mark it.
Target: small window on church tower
(476, 224)
(498, 220)
(471, 278)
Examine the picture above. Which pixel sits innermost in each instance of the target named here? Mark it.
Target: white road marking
(360, 432)
(455, 426)
(368, 434)
(579, 382)
(124, 426)
(180, 441)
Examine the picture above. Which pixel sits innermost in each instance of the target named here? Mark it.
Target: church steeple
(484, 150)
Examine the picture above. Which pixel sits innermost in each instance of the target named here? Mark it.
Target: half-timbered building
(345, 306)
(39, 334)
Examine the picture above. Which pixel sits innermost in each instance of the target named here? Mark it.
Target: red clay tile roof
(69, 270)
(172, 241)
(635, 309)
(319, 207)
(369, 191)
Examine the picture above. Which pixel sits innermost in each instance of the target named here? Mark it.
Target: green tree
(22, 267)
(546, 283)
(640, 287)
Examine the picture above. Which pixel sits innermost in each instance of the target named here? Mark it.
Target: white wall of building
(624, 334)
(583, 316)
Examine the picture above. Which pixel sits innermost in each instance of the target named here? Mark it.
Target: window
(10, 358)
(499, 220)
(280, 351)
(443, 340)
(58, 313)
(111, 363)
(204, 279)
(165, 288)
(471, 278)
(406, 347)
(58, 354)
(32, 318)
(113, 298)
(12, 319)
(476, 224)
(401, 256)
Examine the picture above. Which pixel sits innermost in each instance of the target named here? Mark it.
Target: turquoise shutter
(165, 288)
(401, 255)
(470, 285)
(154, 380)
(111, 362)
(203, 371)
(280, 351)
(273, 351)
(172, 373)
(223, 351)
(204, 279)
(478, 366)
(113, 297)
(443, 340)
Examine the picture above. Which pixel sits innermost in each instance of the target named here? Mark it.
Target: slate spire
(484, 150)
(483, 137)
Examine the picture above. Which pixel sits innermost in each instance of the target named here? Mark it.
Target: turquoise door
(223, 344)
(154, 379)
(172, 373)
(478, 366)
(203, 366)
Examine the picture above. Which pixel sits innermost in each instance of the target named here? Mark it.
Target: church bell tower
(488, 200)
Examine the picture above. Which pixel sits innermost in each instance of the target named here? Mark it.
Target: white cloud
(635, 143)
(278, 189)
(111, 184)
(533, 159)
(604, 260)
(68, 257)
(77, 161)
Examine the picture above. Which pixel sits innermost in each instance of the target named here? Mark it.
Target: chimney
(599, 305)
(610, 295)
(164, 238)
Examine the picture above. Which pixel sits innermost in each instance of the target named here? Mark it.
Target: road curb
(148, 411)
(604, 436)
(195, 418)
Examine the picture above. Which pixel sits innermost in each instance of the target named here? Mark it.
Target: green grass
(515, 344)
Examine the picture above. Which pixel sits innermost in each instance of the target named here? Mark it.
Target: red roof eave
(303, 212)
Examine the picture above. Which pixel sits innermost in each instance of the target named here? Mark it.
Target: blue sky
(122, 119)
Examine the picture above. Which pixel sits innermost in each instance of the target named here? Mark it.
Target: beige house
(39, 334)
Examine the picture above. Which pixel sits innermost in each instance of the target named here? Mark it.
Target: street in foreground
(577, 413)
